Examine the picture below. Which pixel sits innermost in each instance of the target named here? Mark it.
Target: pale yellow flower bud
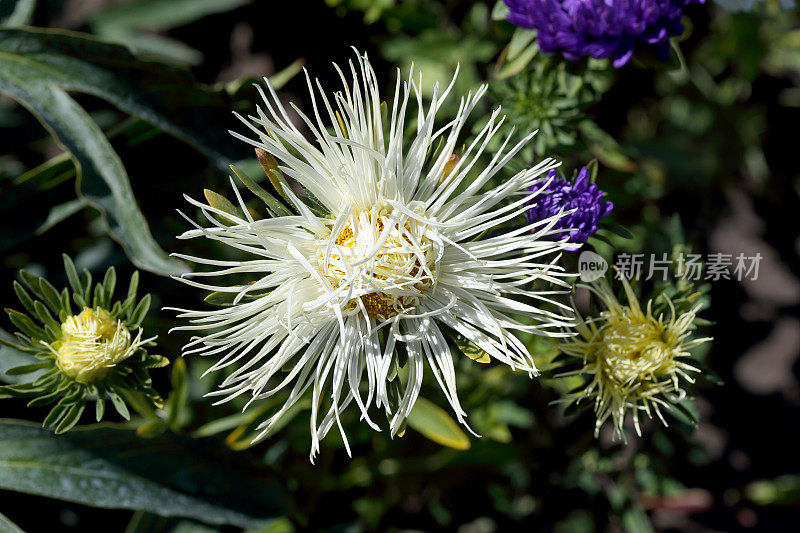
(93, 343)
(636, 360)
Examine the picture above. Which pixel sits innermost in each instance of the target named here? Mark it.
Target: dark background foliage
(706, 156)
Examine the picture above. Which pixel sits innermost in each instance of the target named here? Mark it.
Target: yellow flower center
(389, 269)
(633, 351)
(93, 343)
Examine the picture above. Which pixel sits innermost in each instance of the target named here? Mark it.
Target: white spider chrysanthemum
(412, 242)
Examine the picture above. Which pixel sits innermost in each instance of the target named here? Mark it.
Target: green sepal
(45, 317)
(99, 297)
(100, 408)
(54, 416)
(467, 347)
(177, 400)
(274, 175)
(87, 287)
(32, 282)
(72, 276)
(50, 295)
(132, 288)
(50, 377)
(217, 201)
(21, 347)
(22, 390)
(141, 375)
(72, 417)
(154, 361)
(24, 298)
(224, 299)
(272, 204)
(119, 404)
(151, 429)
(219, 298)
(27, 369)
(76, 395)
(109, 283)
(47, 399)
(66, 305)
(25, 324)
(137, 315)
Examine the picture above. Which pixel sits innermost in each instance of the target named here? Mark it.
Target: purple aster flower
(582, 195)
(600, 28)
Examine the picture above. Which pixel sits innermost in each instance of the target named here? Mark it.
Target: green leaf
(72, 274)
(178, 398)
(100, 408)
(243, 436)
(72, 417)
(54, 416)
(469, 348)
(226, 423)
(279, 525)
(150, 429)
(159, 15)
(282, 77)
(45, 317)
(61, 212)
(217, 201)
(10, 358)
(143, 522)
(133, 286)
(153, 44)
(519, 63)
(161, 94)
(783, 490)
(433, 422)
(500, 10)
(24, 298)
(273, 205)
(226, 298)
(119, 404)
(519, 42)
(16, 12)
(50, 295)
(616, 229)
(220, 298)
(605, 147)
(32, 282)
(38, 67)
(113, 468)
(27, 369)
(275, 176)
(138, 314)
(96, 161)
(685, 412)
(99, 296)
(635, 520)
(25, 324)
(109, 282)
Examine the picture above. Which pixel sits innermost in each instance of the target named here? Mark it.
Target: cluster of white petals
(413, 242)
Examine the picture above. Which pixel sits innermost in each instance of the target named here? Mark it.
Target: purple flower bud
(582, 195)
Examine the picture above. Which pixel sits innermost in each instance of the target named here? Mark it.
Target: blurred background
(703, 154)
